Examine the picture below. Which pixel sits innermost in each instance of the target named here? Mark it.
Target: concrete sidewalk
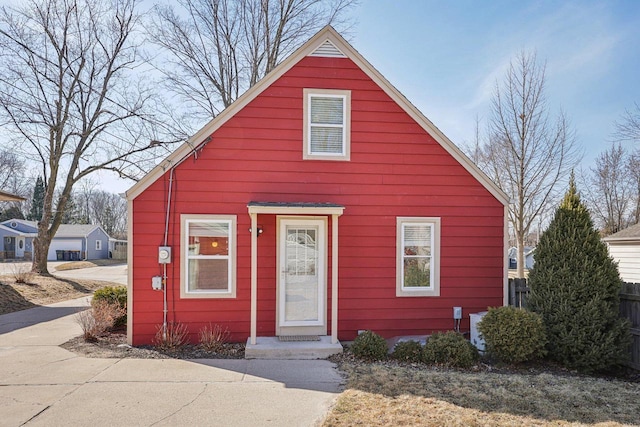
(43, 384)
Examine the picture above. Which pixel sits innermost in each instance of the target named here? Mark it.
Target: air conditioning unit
(476, 338)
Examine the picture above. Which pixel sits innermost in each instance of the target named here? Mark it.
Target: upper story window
(418, 256)
(208, 256)
(327, 124)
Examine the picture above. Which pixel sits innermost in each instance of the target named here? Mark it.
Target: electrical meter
(164, 254)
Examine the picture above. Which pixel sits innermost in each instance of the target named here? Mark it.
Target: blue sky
(445, 57)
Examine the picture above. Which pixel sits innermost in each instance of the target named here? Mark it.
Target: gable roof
(13, 231)
(75, 230)
(23, 222)
(628, 234)
(326, 40)
(64, 230)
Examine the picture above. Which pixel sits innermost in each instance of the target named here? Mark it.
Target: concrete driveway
(112, 273)
(42, 384)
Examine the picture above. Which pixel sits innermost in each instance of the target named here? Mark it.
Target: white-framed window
(418, 256)
(208, 256)
(327, 124)
(98, 245)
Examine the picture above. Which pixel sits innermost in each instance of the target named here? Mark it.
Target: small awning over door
(296, 208)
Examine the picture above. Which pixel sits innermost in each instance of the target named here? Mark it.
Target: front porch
(305, 319)
(273, 348)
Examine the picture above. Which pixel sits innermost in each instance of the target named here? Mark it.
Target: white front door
(302, 280)
(19, 247)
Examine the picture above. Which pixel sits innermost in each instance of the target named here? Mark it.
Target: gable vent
(328, 49)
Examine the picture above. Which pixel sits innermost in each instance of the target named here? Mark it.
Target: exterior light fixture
(259, 230)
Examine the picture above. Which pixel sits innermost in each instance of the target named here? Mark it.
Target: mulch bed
(114, 345)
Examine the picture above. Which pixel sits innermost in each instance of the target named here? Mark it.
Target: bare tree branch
(214, 50)
(70, 97)
(526, 153)
(629, 128)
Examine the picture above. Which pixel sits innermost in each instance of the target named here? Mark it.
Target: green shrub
(370, 346)
(116, 295)
(513, 335)
(450, 349)
(575, 287)
(112, 294)
(408, 351)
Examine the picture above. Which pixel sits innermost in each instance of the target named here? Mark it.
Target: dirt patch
(391, 393)
(42, 290)
(114, 345)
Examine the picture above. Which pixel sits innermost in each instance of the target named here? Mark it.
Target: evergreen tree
(575, 286)
(37, 201)
(73, 213)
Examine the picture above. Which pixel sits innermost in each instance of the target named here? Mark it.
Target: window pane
(208, 274)
(417, 239)
(208, 238)
(417, 272)
(327, 110)
(326, 140)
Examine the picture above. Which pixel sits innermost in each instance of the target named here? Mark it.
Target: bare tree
(69, 98)
(110, 211)
(610, 190)
(629, 128)
(12, 179)
(633, 174)
(12, 173)
(526, 153)
(214, 50)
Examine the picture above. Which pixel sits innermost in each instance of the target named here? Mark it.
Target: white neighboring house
(72, 242)
(529, 260)
(624, 248)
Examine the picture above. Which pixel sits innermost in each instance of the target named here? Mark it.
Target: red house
(320, 203)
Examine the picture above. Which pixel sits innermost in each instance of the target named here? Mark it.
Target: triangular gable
(316, 44)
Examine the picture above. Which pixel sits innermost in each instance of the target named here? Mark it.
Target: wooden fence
(629, 309)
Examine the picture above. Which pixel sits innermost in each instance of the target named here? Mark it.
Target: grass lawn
(389, 394)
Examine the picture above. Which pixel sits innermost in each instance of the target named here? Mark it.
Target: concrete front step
(272, 348)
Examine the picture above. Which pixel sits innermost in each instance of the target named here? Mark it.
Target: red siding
(396, 169)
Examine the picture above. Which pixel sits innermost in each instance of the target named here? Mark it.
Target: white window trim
(346, 128)
(186, 219)
(98, 245)
(434, 289)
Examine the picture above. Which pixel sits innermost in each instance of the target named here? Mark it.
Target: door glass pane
(301, 276)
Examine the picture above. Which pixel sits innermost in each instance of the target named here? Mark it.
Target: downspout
(165, 309)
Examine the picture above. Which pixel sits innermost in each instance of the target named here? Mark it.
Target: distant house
(624, 248)
(16, 239)
(529, 260)
(71, 242)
